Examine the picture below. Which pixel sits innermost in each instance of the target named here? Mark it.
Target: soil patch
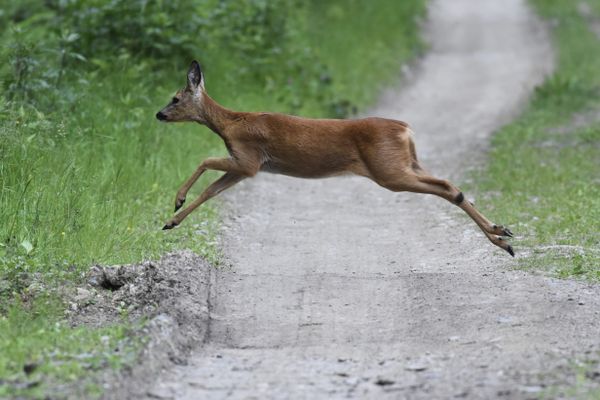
(168, 302)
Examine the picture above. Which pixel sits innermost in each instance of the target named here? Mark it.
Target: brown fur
(377, 148)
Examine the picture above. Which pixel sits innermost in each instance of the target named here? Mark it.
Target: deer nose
(160, 116)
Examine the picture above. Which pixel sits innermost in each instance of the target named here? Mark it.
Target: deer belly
(309, 167)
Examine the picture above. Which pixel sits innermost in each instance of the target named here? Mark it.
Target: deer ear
(194, 76)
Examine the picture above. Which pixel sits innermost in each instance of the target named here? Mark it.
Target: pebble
(384, 382)
(82, 294)
(532, 389)
(415, 367)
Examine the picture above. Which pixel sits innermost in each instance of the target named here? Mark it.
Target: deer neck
(215, 116)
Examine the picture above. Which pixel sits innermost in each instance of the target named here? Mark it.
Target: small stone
(415, 367)
(593, 375)
(532, 389)
(384, 382)
(351, 381)
(82, 294)
(25, 385)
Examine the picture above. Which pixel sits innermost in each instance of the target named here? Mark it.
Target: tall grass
(95, 182)
(371, 40)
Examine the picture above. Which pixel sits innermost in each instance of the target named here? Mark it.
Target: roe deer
(377, 148)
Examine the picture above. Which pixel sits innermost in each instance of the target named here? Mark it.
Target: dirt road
(338, 288)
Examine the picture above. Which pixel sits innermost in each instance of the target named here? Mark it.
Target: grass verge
(582, 383)
(56, 355)
(548, 161)
(91, 178)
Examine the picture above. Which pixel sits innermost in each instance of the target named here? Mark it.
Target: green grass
(96, 184)
(584, 384)
(363, 53)
(56, 353)
(93, 179)
(543, 176)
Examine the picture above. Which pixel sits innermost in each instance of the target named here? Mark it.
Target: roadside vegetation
(543, 177)
(87, 175)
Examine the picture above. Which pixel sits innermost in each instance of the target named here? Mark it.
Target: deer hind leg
(417, 180)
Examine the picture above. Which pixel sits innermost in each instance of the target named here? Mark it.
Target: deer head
(186, 105)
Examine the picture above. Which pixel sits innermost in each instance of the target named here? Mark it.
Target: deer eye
(174, 100)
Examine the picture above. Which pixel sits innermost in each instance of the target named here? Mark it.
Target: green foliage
(543, 176)
(265, 41)
(140, 27)
(365, 66)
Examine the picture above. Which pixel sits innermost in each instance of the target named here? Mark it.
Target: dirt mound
(172, 294)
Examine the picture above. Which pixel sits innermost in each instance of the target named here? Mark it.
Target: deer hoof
(178, 203)
(501, 230)
(170, 225)
(510, 250)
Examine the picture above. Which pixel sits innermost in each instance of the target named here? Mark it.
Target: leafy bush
(263, 39)
(141, 27)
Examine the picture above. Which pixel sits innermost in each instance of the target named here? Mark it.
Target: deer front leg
(224, 182)
(218, 164)
(183, 190)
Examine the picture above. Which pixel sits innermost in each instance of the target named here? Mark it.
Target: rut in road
(338, 288)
